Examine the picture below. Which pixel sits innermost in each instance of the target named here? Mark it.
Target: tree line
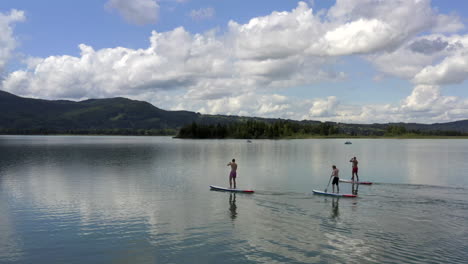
(110, 131)
(251, 129)
(396, 130)
(254, 129)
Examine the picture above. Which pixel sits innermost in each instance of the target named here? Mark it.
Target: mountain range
(37, 116)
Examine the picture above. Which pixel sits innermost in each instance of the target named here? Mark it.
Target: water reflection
(354, 188)
(335, 213)
(148, 198)
(233, 206)
(10, 245)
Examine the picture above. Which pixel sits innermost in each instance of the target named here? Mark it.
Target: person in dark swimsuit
(336, 179)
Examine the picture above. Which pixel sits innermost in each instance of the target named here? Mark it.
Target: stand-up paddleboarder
(336, 179)
(233, 173)
(354, 169)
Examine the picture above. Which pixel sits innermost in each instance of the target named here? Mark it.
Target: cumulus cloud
(241, 70)
(137, 12)
(427, 46)
(425, 104)
(277, 36)
(447, 24)
(7, 40)
(324, 108)
(202, 64)
(431, 59)
(412, 57)
(453, 69)
(202, 13)
(422, 98)
(360, 36)
(175, 59)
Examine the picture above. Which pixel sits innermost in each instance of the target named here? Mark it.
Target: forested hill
(114, 115)
(122, 116)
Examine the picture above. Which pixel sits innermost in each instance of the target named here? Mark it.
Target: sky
(351, 61)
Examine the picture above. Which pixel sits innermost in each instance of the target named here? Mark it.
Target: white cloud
(453, 69)
(7, 40)
(360, 36)
(351, 27)
(202, 13)
(276, 36)
(175, 59)
(235, 72)
(137, 12)
(391, 22)
(419, 53)
(431, 59)
(265, 105)
(324, 108)
(425, 104)
(447, 23)
(422, 98)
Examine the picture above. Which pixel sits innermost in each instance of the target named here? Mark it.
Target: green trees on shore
(251, 129)
(395, 130)
(110, 131)
(398, 131)
(257, 130)
(254, 129)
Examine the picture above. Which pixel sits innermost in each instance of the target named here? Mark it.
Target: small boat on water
(348, 142)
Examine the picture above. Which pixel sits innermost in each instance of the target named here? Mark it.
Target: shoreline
(280, 138)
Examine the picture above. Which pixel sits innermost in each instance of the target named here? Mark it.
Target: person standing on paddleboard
(355, 169)
(233, 173)
(336, 179)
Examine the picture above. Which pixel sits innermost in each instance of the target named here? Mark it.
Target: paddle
(328, 184)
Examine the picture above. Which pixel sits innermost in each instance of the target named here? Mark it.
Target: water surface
(71, 199)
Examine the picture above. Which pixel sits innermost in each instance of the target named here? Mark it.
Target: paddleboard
(217, 188)
(357, 182)
(335, 194)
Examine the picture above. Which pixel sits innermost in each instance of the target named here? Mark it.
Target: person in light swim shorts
(336, 179)
(233, 173)
(355, 169)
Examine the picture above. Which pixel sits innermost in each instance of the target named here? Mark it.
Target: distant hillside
(17, 113)
(370, 129)
(461, 126)
(101, 116)
(20, 115)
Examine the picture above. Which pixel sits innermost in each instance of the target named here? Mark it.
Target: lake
(96, 199)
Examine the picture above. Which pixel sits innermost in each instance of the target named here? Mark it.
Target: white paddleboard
(217, 188)
(334, 194)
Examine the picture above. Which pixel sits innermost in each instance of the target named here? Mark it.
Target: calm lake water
(73, 199)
